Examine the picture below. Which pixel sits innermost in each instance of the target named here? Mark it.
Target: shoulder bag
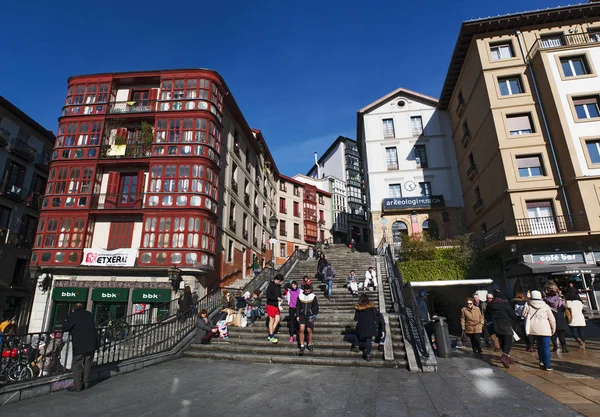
(528, 322)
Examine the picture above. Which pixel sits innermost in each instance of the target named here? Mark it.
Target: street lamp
(175, 278)
(273, 221)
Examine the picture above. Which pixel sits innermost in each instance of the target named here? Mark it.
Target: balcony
(536, 226)
(236, 149)
(131, 107)
(354, 199)
(255, 210)
(296, 214)
(283, 210)
(22, 149)
(247, 199)
(34, 200)
(117, 201)
(232, 225)
(125, 151)
(355, 183)
(43, 161)
(265, 192)
(249, 168)
(472, 172)
(255, 242)
(353, 152)
(564, 41)
(282, 232)
(464, 141)
(478, 206)
(297, 236)
(264, 219)
(13, 191)
(245, 234)
(234, 186)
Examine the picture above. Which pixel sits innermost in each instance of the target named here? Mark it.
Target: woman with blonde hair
(471, 321)
(557, 305)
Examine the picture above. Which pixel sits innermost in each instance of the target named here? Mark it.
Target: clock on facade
(410, 186)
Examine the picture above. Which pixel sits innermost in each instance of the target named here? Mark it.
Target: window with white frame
(501, 51)
(395, 190)
(388, 128)
(573, 66)
(416, 123)
(391, 158)
(510, 86)
(519, 124)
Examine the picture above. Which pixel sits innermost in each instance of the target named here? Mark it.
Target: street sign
(273, 241)
(383, 221)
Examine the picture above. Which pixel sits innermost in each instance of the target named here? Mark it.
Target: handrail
(405, 302)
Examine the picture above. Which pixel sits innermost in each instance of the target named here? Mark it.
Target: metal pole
(273, 256)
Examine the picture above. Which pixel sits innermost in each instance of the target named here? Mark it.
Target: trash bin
(442, 337)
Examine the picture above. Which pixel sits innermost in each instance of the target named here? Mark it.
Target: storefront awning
(527, 268)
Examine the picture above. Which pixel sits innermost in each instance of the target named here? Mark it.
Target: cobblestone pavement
(464, 386)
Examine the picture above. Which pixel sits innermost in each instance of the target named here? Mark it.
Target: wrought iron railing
(22, 149)
(563, 41)
(122, 201)
(405, 303)
(267, 274)
(12, 190)
(131, 151)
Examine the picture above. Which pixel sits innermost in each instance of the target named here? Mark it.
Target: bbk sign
(559, 258)
(110, 294)
(150, 296)
(68, 294)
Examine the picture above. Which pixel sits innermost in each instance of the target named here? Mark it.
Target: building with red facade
(139, 181)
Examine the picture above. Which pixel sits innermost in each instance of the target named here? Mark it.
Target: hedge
(436, 270)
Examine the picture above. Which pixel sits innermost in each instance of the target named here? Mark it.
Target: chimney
(317, 164)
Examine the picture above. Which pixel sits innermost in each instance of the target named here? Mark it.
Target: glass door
(104, 312)
(128, 190)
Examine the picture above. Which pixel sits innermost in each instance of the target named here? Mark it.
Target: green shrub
(435, 270)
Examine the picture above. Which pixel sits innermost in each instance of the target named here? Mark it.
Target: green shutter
(108, 295)
(70, 294)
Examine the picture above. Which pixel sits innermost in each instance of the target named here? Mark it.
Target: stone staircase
(333, 331)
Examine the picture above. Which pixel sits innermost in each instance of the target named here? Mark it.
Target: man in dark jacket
(503, 317)
(273, 300)
(80, 324)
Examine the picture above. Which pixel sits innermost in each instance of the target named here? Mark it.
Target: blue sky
(298, 70)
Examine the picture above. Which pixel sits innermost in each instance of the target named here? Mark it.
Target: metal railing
(563, 41)
(10, 189)
(132, 107)
(265, 275)
(131, 151)
(22, 149)
(123, 201)
(405, 303)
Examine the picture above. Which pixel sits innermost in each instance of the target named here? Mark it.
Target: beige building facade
(522, 93)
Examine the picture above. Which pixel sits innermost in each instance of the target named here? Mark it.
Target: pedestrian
(370, 280)
(185, 302)
(352, 245)
(292, 296)
(519, 303)
(305, 281)
(542, 325)
(328, 276)
(503, 317)
(577, 323)
(352, 283)
(204, 330)
(489, 323)
(80, 325)
(307, 309)
(255, 265)
(321, 264)
(273, 300)
(471, 321)
(423, 311)
(365, 316)
(481, 306)
(48, 360)
(558, 307)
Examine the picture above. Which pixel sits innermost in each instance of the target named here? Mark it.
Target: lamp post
(175, 278)
(273, 221)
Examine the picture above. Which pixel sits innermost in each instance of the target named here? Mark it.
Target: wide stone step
(398, 344)
(335, 333)
(296, 360)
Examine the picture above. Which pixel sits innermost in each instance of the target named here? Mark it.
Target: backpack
(329, 272)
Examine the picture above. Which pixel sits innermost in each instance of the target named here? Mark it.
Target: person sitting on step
(352, 283)
(370, 279)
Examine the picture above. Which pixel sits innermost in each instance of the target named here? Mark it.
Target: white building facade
(410, 169)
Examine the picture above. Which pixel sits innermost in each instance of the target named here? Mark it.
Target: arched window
(399, 229)
(431, 228)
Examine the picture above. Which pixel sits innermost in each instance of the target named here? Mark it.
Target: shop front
(150, 305)
(63, 302)
(561, 268)
(109, 304)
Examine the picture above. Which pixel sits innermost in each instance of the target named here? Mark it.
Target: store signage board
(109, 258)
(558, 258)
(429, 201)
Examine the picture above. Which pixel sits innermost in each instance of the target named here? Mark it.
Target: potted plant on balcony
(119, 146)
(146, 135)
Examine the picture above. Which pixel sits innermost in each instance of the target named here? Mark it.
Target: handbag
(568, 315)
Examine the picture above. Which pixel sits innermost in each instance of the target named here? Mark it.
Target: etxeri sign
(109, 258)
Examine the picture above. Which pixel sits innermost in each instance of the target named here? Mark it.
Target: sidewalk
(464, 386)
(575, 380)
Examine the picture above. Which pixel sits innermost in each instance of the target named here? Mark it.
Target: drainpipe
(545, 122)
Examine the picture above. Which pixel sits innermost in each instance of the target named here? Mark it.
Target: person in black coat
(80, 324)
(503, 317)
(365, 316)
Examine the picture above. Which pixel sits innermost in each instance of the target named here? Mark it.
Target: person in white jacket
(370, 279)
(577, 323)
(542, 325)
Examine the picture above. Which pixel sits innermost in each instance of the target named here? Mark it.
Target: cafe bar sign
(109, 258)
(427, 201)
(558, 258)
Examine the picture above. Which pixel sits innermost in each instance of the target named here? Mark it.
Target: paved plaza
(464, 387)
